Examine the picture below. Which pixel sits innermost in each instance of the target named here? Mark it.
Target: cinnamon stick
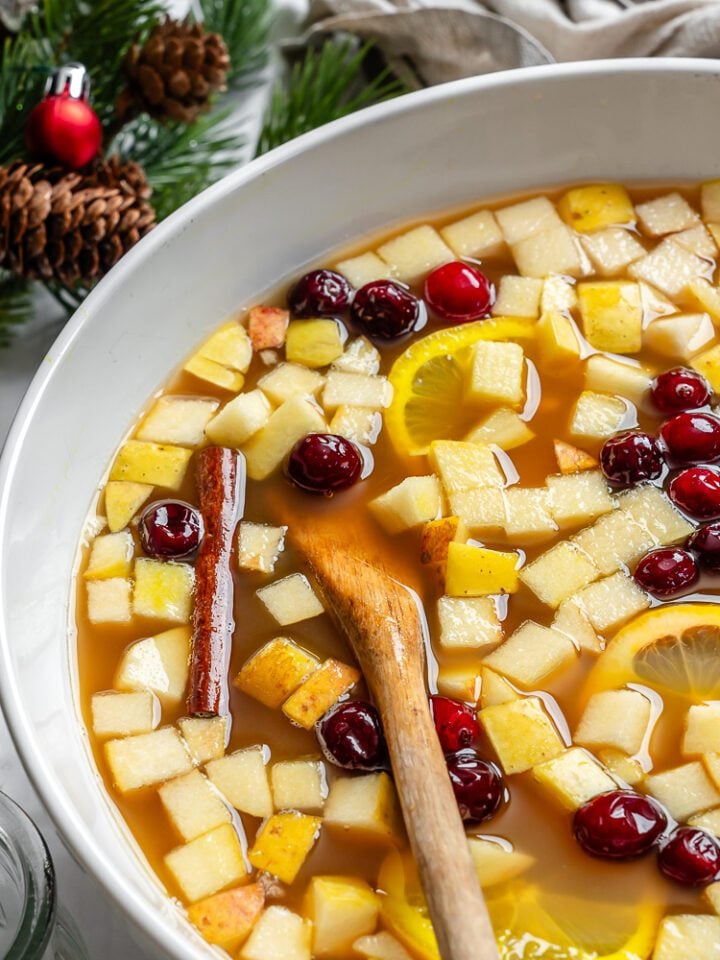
(220, 474)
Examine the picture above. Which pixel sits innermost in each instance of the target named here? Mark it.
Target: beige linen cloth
(431, 41)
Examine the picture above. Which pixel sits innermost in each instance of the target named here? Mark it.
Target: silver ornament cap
(70, 78)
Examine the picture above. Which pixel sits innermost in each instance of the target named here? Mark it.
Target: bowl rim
(75, 833)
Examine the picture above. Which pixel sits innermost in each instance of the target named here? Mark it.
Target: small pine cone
(174, 73)
(71, 227)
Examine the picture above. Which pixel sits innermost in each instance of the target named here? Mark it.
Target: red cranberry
(324, 463)
(385, 310)
(170, 530)
(697, 492)
(706, 543)
(319, 293)
(691, 857)
(456, 723)
(459, 292)
(351, 736)
(692, 437)
(630, 458)
(666, 572)
(619, 825)
(679, 389)
(478, 785)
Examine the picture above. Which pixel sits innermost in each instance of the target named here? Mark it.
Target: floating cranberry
(706, 543)
(320, 293)
(679, 389)
(691, 857)
(697, 492)
(385, 310)
(630, 458)
(459, 292)
(478, 785)
(619, 825)
(170, 530)
(324, 463)
(456, 723)
(666, 572)
(351, 736)
(692, 437)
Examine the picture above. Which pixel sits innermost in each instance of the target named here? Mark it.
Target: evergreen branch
(23, 71)
(245, 27)
(326, 85)
(15, 305)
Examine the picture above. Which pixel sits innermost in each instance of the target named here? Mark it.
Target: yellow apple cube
(553, 251)
(364, 807)
(283, 844)
(381, 946)
(476, 571)
(578, 498)
(611, 315)
(498, 373)
(208, 864)
(527, 515)
(482, 510)
(686, 936)
(296, 418)
(708, 364)
(275, 671)
(147, 758)
(414, 254)
(530, 653)
(289, 380)
(215, 373)
(157, 464)
(702, 729)
(192, 805)
(363, 269)
(684, 790)
(242, 779)
(624, 768)
(572, 459)
(518, 297)
(494, 863)
(299, 785)
(291, 599)
(558, 295)
(504, 428)
(596, 416)
(666, 214)
(359, 356)
(229, 346)
(698, 240)
(704, 297)
(573, 778)
(226, 918)
(259, 545)
(465, 466)
(279, 934)
(558, 573)
(205, 737)
(109, 601)
(524, 219)
(495, 690)
(314, 343)
(459, 681)
(614, 718)
(623, 378)
(681, 336)
(159, 664)
(521, 734)
(591, 208)
(322, 689)
(344, 388)
(670, 267)
(557, 340)
(437, 535)
(177, 420)
(267, 327)
(570, 620)
(124, 714)
(341, 909)
(650, 507)
(111, 555)
(611, 602)
(359, 424)
(163, 591)
(239, 419)
(710, 821)
(476, 236)
(413, 501)
(612, 250)
(123, 499)
(468, 623)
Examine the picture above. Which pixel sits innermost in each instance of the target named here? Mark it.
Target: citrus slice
(675, 648)
(429, 384)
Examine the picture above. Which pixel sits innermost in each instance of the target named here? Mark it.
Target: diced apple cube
(415, 253)
(612, 249)
(686, 936)
(610, 602)
(528, 517)
(684, 790)
(160, 465)
(283, 844)
(314, 343)
(666, 215)
(356, 390)
(341, 909)
(290, 599)
(322, 689)
(708, 364)
(518, 297)
(705, 297)
(124, 714)
(360, 356)
(571, 459)
(712, 895)
(289, 380)
(551, 251)
(293, 420)
(558, 573)
(476, 571)
(681, 336)
(625, 379)
(573, 778)
(242, 778)
(481, 510)
(299, 785)
(192, 805)
(147, 758)
(279, 934)
(468, 623)
(381, 946)
(557, 339)
(614, 718)
(656, 304)
(558, 295)
(622, 767)
(159, 664)
(710, 821)
(524, 219)
(267, 327)
(111, 555)
(459, 682)
(465, 466)
(649, 506)
(364, 807)
(413, 501)
(596, 416)
(227, 918)
(207, 864)
(359, 424)
(710, 201)
(494, 863)
(712, 767)
(109, 601)
(179, 420)
(275, 671)
(498, 373)
(495, 689)
(215, 373)
(503, 427)
(123, 499)
(521, 734)
(476, 236)
(530, 653)
(437, 535)
(611, 315)
(669, 267)
(205, 737)
(230, 346)
(578, 497)
(702, 729)
(259, 546)
(163, 590)
(363, 269)
(698, 240)
(596, 206)
(570, 620)
(239, 419)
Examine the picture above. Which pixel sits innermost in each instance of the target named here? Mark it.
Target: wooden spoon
(382, 620)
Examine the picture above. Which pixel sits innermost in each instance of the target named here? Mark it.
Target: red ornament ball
(63, 128)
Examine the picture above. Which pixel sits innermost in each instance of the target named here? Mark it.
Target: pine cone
(71, 227)
(173, 75)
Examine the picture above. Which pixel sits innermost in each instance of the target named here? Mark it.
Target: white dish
(624, 120)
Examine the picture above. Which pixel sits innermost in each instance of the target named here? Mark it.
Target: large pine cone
(173, 75)
(71, 227)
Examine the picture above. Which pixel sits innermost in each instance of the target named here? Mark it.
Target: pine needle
(15, 305)
(245, 27)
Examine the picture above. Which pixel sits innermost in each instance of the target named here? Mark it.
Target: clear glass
(31, 927)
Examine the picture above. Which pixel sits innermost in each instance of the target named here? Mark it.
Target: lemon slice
(674, 648)
(429, 384)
